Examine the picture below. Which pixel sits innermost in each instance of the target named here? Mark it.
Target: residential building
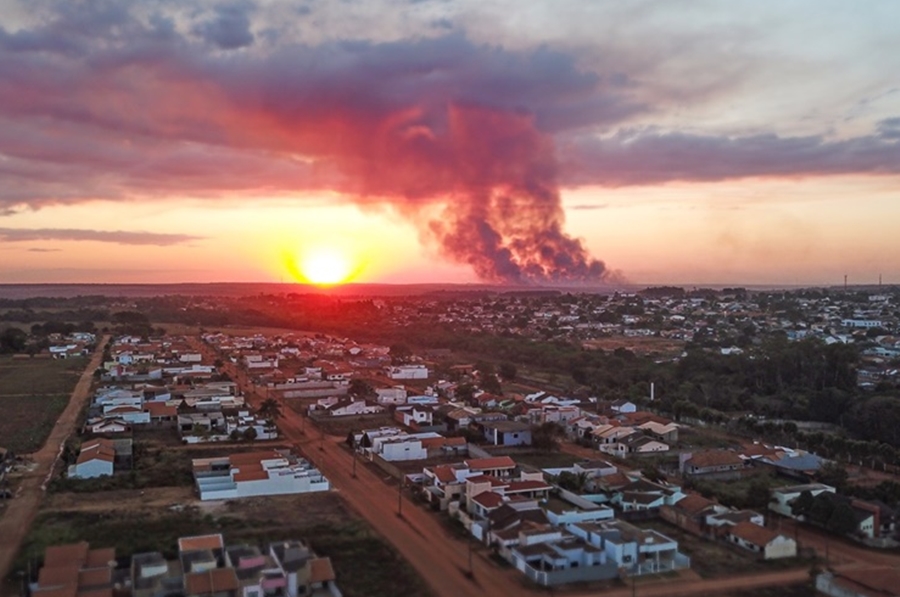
(96, 459)
(507, 433)
(256, 474)
(769, 544)
(76, 569)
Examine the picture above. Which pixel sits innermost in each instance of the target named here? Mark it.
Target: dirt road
(21, 511)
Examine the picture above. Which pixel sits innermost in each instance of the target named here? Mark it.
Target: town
(664, 441)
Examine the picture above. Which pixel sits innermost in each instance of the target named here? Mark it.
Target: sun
(325, 266)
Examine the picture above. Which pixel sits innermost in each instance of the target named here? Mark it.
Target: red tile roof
(714, 458)
(482, 464)
(753, 533)
(217, 580)
(693, 503)
(200, 543)
(489, 499)
(320, 570)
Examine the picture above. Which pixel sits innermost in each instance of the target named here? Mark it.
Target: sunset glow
(448, 143)
(324, 266)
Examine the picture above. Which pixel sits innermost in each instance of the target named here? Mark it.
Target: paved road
(20, 513)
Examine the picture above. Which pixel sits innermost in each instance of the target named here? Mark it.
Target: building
(507, 433)
(408, 372)
(783, 497)
(880, 581)
(96, 459)
(714, 464)
(256, 474)
(769, 544)
(76, 569)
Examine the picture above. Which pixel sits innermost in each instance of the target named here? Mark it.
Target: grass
(364, 563)
(33, 393)
(26, 421)
(35, 377)
(153, 467)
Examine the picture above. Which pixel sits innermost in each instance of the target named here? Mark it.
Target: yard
(33, 393)
(711, 559)
(364, 563)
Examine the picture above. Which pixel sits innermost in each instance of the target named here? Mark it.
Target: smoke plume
(497, 176)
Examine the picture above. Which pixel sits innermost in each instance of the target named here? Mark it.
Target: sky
(506, 141)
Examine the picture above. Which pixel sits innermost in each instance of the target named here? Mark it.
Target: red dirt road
(22, 509)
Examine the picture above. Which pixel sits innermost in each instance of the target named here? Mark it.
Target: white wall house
(256, 474)
(95, 460)
(408, 372)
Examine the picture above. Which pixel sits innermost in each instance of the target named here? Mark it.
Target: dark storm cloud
(104, 236)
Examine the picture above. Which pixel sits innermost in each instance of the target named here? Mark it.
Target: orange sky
(450, 141)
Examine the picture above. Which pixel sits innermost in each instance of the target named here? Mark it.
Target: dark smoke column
(495, 173)
(505, 216)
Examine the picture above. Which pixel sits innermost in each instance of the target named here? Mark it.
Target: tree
(508, 371)
(400, 353)
(269, 409)
(360, 388)
(465, 392)
(490, 383)
(249, 434)
(546, 436)
(832, 473)
(822, 508)
(12, 340)
(842, 520)
(802, 504)
(571, 481)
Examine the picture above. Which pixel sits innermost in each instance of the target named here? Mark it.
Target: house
(877, 581)
(713, 464)
(769, 544)
(507, 433)
(96, 459)
(388, 396)
(497, 466)
(414, 415)
(352, 407)
(665, 433)
(75, 569)
(623, 406)
(783, 497)
(408, 372)
(253, 474)
(638, 551)
(552, 556)
(638, 443)
(691, 512)
(99, 426)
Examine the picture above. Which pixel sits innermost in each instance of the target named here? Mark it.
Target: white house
(783, 497)
(95, 460)
(408, 372)
(760, 540)
(394, 395)
(256, 474)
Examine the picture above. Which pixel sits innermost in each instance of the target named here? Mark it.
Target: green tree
(360, 388)
(802, 504)
(490, 383)
(269, 409)
(822, 508)
(834, 474)
(547, 436)
(249, 434)
(508, 371)
(842, 520)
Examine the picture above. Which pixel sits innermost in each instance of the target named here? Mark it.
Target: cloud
(117, 101)
(229, 29)
(42, 250)
(119, 237)
(648, 157)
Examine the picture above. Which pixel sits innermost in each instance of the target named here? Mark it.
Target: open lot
(33, 393)
(638, 345)
(365, 564)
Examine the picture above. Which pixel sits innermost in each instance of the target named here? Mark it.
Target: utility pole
(353, 456)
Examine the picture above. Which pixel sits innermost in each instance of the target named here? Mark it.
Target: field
(364, 563)
(639, 345)
(33, 393)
